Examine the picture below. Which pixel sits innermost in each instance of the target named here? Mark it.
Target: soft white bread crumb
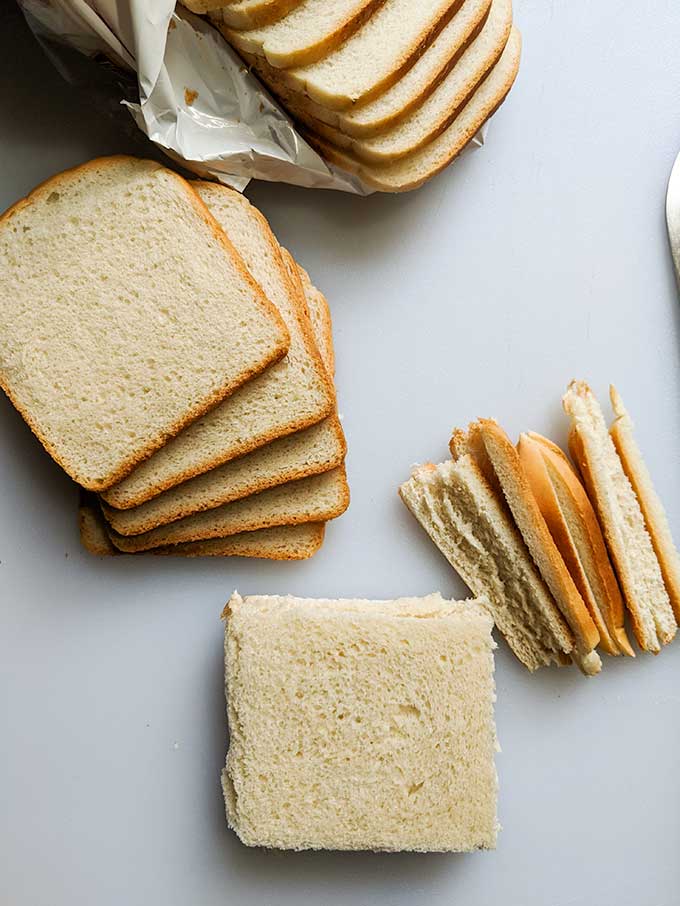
(360, 724)
(126, 314)
(311, 30)
(244, 13)
(621, 519)
(468, 521)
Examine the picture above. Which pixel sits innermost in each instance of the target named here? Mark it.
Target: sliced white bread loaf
(656, 521)
(286, 542)
(622, 522)
(319, 314)
(408, 681)
(473, 529)
(392, 105)
(575, 530)
(412, 171)
(314, 499)
(540, 544)
(371, 60)
(112, 338)
(316, 449)
(247, 13)
(295, 393)
(438, 110)
(310, 31)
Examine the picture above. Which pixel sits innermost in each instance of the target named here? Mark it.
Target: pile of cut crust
(562, 552)
(391, 90)
(190, 394)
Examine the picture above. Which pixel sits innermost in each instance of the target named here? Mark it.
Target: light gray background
(539, 258)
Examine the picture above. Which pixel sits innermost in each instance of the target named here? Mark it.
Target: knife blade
(673, 215)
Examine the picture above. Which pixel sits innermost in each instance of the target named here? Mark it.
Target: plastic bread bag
(185, 88)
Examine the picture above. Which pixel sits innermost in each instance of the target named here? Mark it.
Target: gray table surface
(541, 257)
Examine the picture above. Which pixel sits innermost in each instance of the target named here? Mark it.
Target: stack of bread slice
(391, 90)
(561, 553)
(175, 360)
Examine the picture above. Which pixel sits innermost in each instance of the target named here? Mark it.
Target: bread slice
(285, 542)
(371, 60)
(656, 522)
(313, 686)
(314, 499)
(319, 314)
(575, 530)
(532, 526)
(409, 91)
(436, 112)
(246, 13)
(621, 519)
(309, 32)
(317, 449)
(99, 351)
(290, 396)
(470, 525)
(414, 169)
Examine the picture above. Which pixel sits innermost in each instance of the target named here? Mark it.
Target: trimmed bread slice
(471, 526)
(310, 31)
(621, 519)
(112, 338)
(532, 526)
(414, 169)
(317, 449)
(371, 60)
(408, 681)
(292, 395)
(285, 542)
(246, 13)
(574, 527)
(408, 92)
(656, 522)
(436, 112)
(314, 499)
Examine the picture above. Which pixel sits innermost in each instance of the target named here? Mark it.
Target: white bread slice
(532, 526)
(314, 499)
(409, 91)
(371, 60)
(621, 519)
(656, 521)
(295, 393)
(319, 315)
(100, 351)
(438, 110)
(310, 31)
(412, 171)
(246, 13)
(408, 681)
(285, 542)
(317, 449)
(573, 525)
(471, 526)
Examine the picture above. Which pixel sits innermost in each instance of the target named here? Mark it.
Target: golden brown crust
(270, 74)
(123, 500)
(150, 540)
(621, 432)
(378, 177)
(545, 466)
(185, 509)
(314, 52)
(268, 12)
(532, 526)
(208, 403)
(325, 341)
